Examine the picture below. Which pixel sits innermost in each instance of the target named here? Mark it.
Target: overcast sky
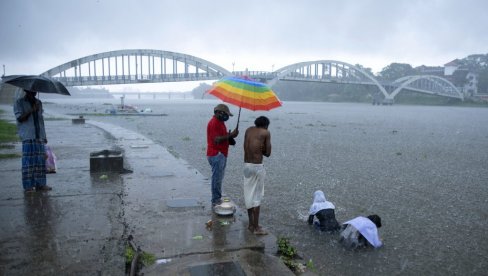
(37, 35)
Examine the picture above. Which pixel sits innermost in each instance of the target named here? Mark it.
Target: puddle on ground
(227, 268)
(161, 174)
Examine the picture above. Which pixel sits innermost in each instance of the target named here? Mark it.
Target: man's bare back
(257, 142)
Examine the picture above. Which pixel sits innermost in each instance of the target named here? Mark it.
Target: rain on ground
(421, 168)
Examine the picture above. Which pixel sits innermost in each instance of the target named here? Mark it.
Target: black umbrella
(37, 84)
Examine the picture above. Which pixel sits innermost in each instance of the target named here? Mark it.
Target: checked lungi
(33, 164)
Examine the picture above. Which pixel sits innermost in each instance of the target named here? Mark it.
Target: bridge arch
(429, 84)
(135, 66)
(327, 70)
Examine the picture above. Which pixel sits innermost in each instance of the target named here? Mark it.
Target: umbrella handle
(238, 117)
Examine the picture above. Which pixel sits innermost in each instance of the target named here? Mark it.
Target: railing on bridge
(135, 66)
(131, 79)
(257, 75)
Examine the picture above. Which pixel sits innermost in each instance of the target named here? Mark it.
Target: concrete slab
(251, 262)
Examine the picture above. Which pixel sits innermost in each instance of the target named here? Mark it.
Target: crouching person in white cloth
(361, 232)
(257, 143)
(324, 211)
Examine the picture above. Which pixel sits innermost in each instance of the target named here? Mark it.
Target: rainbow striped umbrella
(245, 93)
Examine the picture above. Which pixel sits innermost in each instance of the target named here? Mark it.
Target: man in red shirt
(218, 147)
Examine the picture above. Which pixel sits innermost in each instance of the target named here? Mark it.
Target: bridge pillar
(7, 94)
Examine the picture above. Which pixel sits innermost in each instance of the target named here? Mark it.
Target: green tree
(459, 77)
(367, 69)
(483, 80)
(396, 70)
(477, 63)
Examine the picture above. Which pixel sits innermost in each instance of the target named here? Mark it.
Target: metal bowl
(225, 209)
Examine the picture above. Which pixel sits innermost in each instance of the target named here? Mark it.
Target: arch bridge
(332, 71)
(428, 84)
(135, 66)
(155, 66)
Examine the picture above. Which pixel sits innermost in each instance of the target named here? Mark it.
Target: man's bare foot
(260, 231)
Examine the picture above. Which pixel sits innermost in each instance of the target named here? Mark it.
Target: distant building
(456, 72)
(451, 67)
(430, 70)
(463, 77)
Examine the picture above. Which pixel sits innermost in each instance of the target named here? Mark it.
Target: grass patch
(129, 255)
(173, 152)
(9, 155)
(145, 258)
(148, 259)
(288, 254)
(8, 132)
(6, 146)
(55, 119)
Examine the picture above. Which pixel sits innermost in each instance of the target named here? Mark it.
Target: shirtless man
(257, 143)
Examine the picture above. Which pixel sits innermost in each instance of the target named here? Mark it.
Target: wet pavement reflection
(40, 219)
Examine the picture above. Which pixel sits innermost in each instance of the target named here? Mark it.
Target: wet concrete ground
(76, 228)
(81, 226)
(422, 169)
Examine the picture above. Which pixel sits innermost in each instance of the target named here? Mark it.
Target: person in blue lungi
(30, 124)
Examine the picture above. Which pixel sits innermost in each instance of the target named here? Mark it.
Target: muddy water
(422, 169)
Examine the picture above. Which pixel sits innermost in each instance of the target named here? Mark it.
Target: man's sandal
(44, 188)
(29, 191)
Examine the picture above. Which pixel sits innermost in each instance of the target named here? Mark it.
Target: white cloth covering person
(319, 203)
(254, 175)
(323, 213)
(365, 227)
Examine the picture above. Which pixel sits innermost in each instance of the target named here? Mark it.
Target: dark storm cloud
(37, 35)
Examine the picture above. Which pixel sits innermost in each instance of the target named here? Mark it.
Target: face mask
(223, 117)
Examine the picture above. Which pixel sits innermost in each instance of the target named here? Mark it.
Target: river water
(423, 169)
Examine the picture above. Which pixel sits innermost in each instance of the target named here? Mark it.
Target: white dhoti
(254, 175)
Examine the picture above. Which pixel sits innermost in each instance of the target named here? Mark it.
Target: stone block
(107, 161)
(79, 120)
